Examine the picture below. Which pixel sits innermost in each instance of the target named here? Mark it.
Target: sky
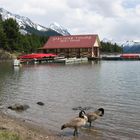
(116, 20)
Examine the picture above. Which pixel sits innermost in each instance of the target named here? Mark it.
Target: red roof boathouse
(73, 46)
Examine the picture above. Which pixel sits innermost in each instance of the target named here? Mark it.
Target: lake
(113, 85)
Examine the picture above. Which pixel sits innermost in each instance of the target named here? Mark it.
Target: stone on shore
(18, 107)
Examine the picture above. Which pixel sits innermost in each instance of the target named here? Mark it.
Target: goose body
(92, 116)
(76, 123)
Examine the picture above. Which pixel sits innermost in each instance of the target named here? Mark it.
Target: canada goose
(77, 122)
(92, 116)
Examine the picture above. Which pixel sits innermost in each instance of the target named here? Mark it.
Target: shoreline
(26, 130)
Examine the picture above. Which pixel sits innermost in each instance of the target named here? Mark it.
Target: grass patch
(5, 135)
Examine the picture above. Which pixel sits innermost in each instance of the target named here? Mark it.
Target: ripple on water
(108, 84)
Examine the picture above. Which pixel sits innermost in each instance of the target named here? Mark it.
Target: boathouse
(73, 46)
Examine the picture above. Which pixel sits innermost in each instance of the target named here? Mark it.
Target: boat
(36, 57)
(122, 57)
(16, 62)
(130, 56)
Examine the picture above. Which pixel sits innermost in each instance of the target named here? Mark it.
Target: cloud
(32, 10)
(118, 20)
(138, 10)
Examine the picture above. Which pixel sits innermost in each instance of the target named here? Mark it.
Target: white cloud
(118, 19)
(138, 10)
(32, 10)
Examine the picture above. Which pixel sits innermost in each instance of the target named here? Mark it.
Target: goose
(76, 123)
(92, 116)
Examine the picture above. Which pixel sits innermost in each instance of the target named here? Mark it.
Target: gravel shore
(26, 130)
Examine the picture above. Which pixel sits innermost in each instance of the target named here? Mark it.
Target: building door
(96, 51)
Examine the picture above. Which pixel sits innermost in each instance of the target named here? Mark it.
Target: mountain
(28, 26)
(131, 47)
(128, 46)
(58, 28)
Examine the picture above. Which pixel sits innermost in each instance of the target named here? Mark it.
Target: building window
(62, 50)
(84, 49)
(51, 51)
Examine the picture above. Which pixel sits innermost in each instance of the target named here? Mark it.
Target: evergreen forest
(12, 40)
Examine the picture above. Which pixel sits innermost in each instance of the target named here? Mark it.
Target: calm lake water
(113, 85)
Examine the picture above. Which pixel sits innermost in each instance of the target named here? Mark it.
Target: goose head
(82, 114)
(101, 111)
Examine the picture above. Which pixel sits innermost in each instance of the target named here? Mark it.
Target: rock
(2, 128)
(40, 103)
(18, 107)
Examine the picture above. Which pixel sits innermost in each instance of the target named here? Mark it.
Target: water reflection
(16, 68)
(111, 85)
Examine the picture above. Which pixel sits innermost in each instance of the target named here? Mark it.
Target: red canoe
(36, 56)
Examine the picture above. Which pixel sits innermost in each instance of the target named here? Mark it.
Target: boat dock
(71, 60)
(111, 57)
(54, 60)
(121, 57)
(35, 58)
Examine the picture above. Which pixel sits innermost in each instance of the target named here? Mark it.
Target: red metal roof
(72, 41)
(36, 55)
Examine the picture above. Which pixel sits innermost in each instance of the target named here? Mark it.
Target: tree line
(13, 41)
(107, 47)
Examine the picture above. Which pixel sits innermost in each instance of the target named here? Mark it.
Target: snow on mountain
(58, 28)
(125, 44)
(131, 47)
(24, 22)
(130, 43)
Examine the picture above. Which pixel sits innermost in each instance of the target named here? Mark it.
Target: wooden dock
(122, 57)
(71, 60)
(55, 60)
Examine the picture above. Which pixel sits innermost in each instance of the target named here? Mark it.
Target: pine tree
(11, 30)
(110, 48)
(3, 38)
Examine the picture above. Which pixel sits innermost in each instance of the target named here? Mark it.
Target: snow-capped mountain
(25, 23)
(22, 21)
(130, 43)
(128, 46)
(131, 47)
(58, 28)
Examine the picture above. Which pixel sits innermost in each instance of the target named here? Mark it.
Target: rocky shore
(4, 55)
(12, 128)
